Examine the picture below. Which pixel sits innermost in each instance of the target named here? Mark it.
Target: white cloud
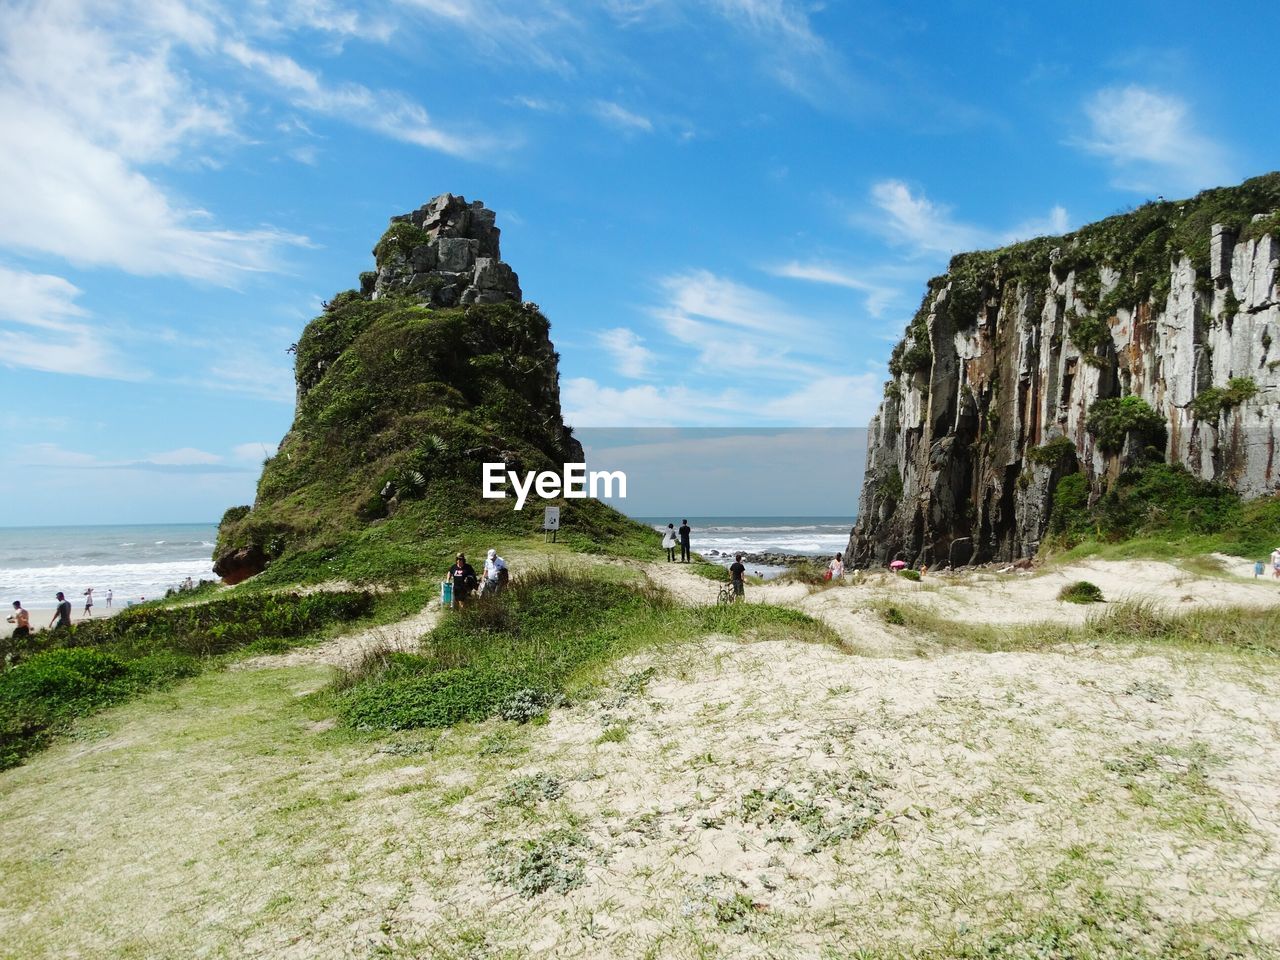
(917, 222)
(826, 401)
(879, 296)
(620, 117)
(1151, 140)
(630, 356)
(87, 107)
(912, 220)
(796, 55)
(386, 112)
(185, 456)
(43, 328)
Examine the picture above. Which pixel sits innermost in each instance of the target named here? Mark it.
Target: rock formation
(405, 387)
(445, 253)
(989, 404)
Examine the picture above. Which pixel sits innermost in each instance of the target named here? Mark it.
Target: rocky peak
(444, 254)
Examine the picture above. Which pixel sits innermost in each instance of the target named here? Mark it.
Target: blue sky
(728, 209)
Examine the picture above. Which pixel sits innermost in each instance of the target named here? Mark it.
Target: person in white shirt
(495, 574)
(1275, 562)
(837, 566)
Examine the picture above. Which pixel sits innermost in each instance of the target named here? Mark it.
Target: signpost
(550, 523)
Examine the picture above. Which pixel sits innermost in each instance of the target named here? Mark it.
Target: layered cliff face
(1175, 305)
(405, 388)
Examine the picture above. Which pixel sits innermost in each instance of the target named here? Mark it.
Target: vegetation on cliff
(400, 402)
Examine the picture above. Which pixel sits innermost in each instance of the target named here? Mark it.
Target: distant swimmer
(62, 615)
(22, 619)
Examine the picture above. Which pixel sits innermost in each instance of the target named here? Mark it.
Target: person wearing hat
(495, 574)
(464, 580)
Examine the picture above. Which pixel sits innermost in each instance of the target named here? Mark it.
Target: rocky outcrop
(991, 390)
(404, 388)
(445, 253)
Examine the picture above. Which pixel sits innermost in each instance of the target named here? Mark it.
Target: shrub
(1069, 518)
(1112, 420)
(1209, 404)
(1168, 500)
(1052, 453)
(908, 574)
(1082, 591)
(1089, 333)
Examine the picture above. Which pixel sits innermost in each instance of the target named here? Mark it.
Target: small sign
(551, 518)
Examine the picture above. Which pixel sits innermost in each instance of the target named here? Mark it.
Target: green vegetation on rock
(1211, 403)
(1111, 421)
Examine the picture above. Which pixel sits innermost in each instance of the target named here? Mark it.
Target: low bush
(908, 574)
(1082, 591)
(1112, 420)
(515, 654)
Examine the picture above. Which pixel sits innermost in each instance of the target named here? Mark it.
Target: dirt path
(348, 650)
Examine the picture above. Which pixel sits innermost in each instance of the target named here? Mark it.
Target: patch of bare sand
(348, 650)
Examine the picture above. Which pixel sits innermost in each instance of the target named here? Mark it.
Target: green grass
(1236, 630)
(550, 634)
(58, 676)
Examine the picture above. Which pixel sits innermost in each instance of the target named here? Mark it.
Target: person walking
(685, 531)
(62, 614)
(88, 603)
(837, 567)
(495, 575)
(1275, 563)
(669, 542)
(22, 621)
(737, 573)
(464, 580)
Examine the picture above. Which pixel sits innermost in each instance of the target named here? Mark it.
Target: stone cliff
(405, 387)
(1147, 335)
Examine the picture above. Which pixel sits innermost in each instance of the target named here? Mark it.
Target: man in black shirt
(684, 541)
(736, 572)
(62, 615)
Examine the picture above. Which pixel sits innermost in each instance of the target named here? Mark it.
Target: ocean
(133, 561)
(811, 536)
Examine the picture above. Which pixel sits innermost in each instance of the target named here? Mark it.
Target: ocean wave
(125, 579)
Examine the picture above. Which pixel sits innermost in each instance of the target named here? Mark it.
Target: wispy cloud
(188, 460)
(43, 328)
(879, 296)
(910, 219)
(826, 401)
(1151, 141)
(386, 112)
(630, 356)
(90, 107)
(619, 116)
(792, 50)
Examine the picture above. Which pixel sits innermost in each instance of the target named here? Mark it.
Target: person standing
(737, 573)
(685, 531)
(88, 602)
(108, 598)
(495, 575)
(62, 614)
(669, 542)
(1275, 563)
(837, 567)
(22, 621)
(464, 580)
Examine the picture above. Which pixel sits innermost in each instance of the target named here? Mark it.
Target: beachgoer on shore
(685, 531)
(736, 573)
(88, 602)
(62, 615)
(22, 619)
(1258, 567)
(464, 580)
(496, 575)
(836, 567)
(1275, 563)
(669, 542)
(108, 598)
